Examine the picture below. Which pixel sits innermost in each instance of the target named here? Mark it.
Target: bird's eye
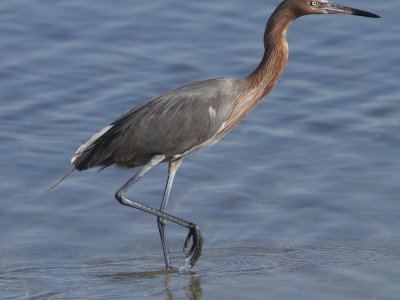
(314, 3)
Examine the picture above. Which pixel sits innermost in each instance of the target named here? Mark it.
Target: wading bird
(172, 125)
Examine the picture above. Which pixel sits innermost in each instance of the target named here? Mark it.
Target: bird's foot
(192, 254)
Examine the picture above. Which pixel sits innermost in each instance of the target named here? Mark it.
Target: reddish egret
(174, 124)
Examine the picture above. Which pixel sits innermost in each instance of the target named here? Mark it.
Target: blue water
(300, 201)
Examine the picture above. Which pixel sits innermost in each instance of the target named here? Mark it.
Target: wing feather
(171, 124)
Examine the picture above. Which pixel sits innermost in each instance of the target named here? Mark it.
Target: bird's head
(308, 7)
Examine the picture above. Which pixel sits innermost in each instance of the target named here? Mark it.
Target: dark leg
(193, 254)
(173, 167)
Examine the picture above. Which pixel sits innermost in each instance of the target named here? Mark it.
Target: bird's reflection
(193, 288)
(191, 283)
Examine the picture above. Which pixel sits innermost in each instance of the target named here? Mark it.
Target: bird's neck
(261, 81)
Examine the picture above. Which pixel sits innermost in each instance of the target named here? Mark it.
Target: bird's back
(175, 123)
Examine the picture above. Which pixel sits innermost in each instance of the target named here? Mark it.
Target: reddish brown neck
(267, 73)
(261, 81)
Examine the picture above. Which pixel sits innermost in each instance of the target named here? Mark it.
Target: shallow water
(300, 201)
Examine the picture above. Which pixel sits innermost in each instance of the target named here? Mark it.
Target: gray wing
(173, 123)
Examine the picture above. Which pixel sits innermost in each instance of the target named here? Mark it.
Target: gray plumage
(172, 125)
(175, 123)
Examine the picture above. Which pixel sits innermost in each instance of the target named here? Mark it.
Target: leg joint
(120, 197)
(161, 221)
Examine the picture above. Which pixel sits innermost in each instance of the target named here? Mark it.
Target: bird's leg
(194, 232)
(173, 167)
(154, 161)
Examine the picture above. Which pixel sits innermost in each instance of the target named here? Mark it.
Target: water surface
(300, 201)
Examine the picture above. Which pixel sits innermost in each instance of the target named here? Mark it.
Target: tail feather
(52, 187)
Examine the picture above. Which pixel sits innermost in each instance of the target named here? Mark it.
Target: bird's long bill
(332, 8)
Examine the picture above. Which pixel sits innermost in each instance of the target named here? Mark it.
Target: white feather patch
(212, 112)
(89, 142)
